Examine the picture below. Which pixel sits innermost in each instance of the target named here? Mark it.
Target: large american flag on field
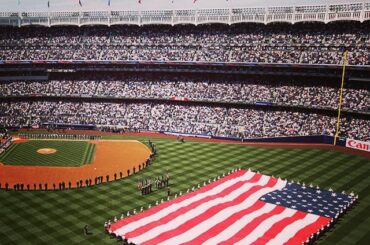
(242, 208)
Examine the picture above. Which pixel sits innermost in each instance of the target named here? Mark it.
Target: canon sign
(357, 144)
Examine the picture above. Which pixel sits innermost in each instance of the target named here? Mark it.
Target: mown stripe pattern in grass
(59, 217)
(90, 153)
(69, 153)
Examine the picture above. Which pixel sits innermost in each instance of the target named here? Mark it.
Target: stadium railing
(354, 11)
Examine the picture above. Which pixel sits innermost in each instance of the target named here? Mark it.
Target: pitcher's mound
(46, 151)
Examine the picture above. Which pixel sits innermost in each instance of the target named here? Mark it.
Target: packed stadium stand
(275, 43)
(227, 106)
(256, 78)
(318, 94)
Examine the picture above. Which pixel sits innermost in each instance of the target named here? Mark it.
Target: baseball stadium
(185, 122)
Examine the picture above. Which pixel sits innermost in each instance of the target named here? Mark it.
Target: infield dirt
(46, 151)
(111, 157)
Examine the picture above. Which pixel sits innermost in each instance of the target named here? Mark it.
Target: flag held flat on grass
(241, 208)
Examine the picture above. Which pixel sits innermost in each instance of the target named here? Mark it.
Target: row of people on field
(333, 221)
(146, 185)
(78, 184)
(59, 136)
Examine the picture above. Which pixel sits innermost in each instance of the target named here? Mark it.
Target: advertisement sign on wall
(358, 144)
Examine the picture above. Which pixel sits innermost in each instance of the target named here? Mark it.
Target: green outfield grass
(69, 153)
(58, 217)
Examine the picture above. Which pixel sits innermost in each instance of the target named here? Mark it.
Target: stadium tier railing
(354, 11)
(168, 99)
(195, 63)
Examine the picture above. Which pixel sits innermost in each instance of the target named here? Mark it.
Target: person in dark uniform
(150, 185)
(142, 189)
(86, 230)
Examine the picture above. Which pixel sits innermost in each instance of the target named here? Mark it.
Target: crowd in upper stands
(207, 120)
(200, 89)
(275, 43)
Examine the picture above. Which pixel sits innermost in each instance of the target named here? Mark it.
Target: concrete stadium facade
(325, 13)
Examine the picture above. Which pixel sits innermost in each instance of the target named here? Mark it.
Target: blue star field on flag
(309, 200)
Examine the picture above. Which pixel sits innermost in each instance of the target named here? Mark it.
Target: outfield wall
(312, 139)
(319, 141)
(322, 139)
(356, 145)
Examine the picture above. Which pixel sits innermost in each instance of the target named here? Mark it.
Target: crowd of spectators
(275, 43)
(281, 93)
(207, 120)
(5, 139)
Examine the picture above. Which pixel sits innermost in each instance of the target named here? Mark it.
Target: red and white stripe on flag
(227, 211)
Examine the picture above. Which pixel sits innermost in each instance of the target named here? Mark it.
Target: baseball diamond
(190, 164)
(73, 161)
(49, 153)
